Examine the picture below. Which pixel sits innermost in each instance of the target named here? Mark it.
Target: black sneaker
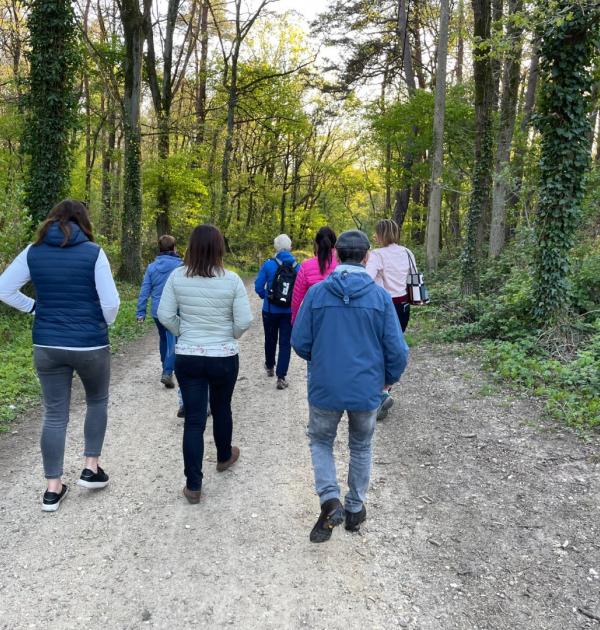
(167, 380)
(282, 383)
(51, 500)
(269, 370)
(354, 519)
(181, 412)
(90, 479)
(386, 404)
(332, 514)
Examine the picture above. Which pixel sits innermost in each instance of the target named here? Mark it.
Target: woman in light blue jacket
(206, 307)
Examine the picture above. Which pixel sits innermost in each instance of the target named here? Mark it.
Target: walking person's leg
(93, 368)
(361, 426)
(285, 349)
(271, 331)
(56, 378)
(223, 374)
(322, 429)
(403, 312)
(167, 354)
(193, 381)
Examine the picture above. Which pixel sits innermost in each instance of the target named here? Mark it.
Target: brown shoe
(193, 496)
(235, 453)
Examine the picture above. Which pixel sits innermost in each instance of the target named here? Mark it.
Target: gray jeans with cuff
(55, 368)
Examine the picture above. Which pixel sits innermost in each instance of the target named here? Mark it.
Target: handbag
(418, 294)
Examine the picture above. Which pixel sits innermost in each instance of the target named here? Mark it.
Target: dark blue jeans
(198, 377)
(278, 325)
(166, 346)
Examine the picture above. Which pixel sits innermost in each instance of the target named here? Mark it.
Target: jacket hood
(167, 261)
(55, 236)
(347, 286)
(284, 256)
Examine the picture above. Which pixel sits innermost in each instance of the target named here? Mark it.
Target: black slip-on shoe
(51, 500)
(91, 479)
(354, 519)
(332, 515)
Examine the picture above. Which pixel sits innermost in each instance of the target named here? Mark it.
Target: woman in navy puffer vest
(75, 301)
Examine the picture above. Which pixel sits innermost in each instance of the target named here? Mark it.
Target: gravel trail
(480, 515)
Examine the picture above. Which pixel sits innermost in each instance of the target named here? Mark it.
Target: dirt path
(479, 517)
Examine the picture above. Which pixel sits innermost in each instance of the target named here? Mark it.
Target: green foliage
(51, 103)
(569, 37)
(20, 387)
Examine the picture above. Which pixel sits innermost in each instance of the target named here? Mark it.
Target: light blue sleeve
(145, 290)
(261, 281)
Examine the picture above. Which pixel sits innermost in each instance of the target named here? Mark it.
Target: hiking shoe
(193, 496)
(332, 514)
(235, 453)
(282, 383)
(181, 412)
(167, 380)
(385, 406)
(51, 500)
(269, 370)
(354, 519)
(91, 479)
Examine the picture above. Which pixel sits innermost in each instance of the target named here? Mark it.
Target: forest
(475, 125)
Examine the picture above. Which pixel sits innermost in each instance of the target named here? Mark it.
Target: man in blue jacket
(153, 284)
(348, 329)
(277, 320)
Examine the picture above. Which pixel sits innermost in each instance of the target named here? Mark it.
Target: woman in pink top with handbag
(315, 269)
(389, 266)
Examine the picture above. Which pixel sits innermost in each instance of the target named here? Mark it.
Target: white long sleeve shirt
(17, 274)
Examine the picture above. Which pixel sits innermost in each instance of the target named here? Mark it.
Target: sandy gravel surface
(480, 515)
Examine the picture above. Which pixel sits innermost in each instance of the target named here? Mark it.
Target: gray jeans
(322, 430)
(55, 368)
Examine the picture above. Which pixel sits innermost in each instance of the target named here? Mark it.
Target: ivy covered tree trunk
(51, 104)
(131, 244)
(482, 170)
(568, 42)
(508, 112)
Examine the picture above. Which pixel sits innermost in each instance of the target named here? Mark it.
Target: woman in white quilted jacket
(206, 307)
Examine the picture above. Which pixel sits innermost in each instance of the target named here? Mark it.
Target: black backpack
(282, 287)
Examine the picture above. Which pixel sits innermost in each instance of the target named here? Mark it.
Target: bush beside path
(481, 515)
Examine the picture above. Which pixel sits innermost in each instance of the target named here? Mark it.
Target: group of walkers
(343, 311)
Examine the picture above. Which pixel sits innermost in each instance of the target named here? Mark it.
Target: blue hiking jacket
(348, 329)
(155, 278)
(67, 307)
(265, 278)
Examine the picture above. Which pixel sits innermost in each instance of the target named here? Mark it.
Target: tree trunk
(519, 161)
(108, 149)
(508, 112)
(437, 165)
(231, 106)
(202, 75)
(460, 42)
(131, 245)
(482, 170)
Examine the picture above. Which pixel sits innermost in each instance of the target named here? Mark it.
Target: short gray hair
(283, 243)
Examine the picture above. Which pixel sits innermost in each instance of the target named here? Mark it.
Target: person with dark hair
(75, 301)
(206, 307)
(347, 316)
(315, 269)
(275, 285)
(390, 266)
(153, 284)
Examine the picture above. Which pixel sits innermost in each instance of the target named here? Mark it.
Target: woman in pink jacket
(315, 269)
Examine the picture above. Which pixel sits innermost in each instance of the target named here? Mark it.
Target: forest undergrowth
(559, 362)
